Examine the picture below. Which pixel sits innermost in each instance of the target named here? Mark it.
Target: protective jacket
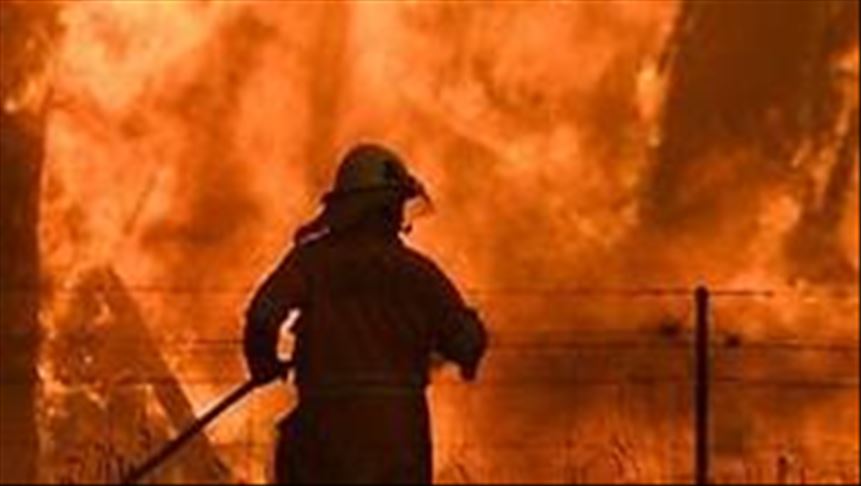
(372, 313)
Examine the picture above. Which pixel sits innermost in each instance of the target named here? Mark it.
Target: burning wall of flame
(187, 140)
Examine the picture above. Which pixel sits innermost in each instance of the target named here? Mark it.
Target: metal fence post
(701, 387)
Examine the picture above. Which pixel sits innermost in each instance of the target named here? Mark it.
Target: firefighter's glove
(468, 346)
(265, 371)
(469, 372)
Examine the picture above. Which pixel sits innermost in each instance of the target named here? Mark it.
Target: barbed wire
(540, 443)
(839, 382)
(831, 293)
(516, 341)
(632, 339)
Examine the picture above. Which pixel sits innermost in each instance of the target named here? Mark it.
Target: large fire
(581, 190)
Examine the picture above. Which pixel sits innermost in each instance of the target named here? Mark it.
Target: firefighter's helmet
(372, 168)
(370, 178)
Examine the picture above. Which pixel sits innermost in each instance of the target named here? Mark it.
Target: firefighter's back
(370, 319)
(362, 351)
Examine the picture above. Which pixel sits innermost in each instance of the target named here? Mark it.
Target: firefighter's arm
(463, 339)
(282, 291)
(461, 336)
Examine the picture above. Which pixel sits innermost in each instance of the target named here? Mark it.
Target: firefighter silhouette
(372, 314)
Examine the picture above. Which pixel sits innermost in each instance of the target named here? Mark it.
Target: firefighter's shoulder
(424, 268)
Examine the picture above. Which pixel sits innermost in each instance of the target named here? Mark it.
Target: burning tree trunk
(750, 85)
(19, 327)
(25, 30)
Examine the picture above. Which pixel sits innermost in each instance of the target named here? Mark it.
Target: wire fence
(579, 398)
(831, 292)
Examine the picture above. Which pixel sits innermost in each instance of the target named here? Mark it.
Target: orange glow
(186, 141)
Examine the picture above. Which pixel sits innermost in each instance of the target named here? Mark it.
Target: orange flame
(188, 139)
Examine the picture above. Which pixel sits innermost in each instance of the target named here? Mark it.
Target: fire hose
(157, 459)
